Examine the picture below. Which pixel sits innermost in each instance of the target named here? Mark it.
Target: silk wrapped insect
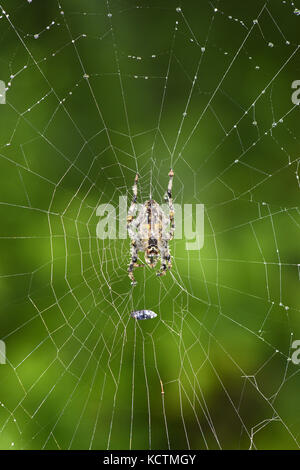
(151, 231)
(143, 314)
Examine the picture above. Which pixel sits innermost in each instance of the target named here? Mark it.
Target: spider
(148, 232)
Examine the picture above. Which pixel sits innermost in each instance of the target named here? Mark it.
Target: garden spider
(150, 231)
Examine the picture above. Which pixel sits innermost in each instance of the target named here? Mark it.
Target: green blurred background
(96, 92)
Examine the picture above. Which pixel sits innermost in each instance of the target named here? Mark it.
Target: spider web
(96, 92)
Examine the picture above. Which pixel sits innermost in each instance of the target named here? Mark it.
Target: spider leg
(132, 208)
(171, 207)
(133, 263)
(165, 260)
